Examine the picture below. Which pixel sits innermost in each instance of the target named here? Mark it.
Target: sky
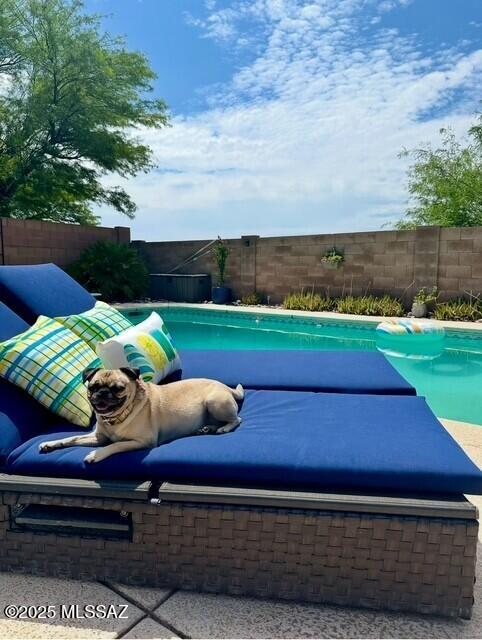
(288, 116)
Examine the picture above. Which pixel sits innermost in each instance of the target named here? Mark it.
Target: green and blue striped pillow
(147, 346)
(47, 361)
(97, 324)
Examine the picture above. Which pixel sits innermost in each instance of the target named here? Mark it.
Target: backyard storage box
(178, 287)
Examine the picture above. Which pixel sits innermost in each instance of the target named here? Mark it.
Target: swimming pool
(452, 383)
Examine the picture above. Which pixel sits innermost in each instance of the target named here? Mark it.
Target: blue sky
(288, 115)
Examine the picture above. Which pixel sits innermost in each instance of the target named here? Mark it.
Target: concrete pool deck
(162, 613)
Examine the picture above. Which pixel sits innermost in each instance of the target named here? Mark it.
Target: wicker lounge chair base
(395, 553)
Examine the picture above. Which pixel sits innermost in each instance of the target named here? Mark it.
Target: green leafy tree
(71, 99)
(445, 184)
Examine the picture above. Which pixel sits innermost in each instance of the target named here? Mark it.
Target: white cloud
(306, 138)
(386, 5)
(389, 5)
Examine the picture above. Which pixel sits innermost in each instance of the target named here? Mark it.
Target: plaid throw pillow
(47, 361)
(97, 324)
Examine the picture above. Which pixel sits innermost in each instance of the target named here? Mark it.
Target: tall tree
(71, 99)
(445, 184)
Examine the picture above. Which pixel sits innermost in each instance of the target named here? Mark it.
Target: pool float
(415, 339)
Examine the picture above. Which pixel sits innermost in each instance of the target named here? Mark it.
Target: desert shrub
(116, 271)
(370, 306)
(310, 301)
(470, 311)
(251, 299)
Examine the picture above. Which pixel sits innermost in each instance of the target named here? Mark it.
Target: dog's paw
(228, 428)
(46, 447)
(222, 430)
(91, 457)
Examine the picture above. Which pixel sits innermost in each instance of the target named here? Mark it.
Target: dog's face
(111, 391)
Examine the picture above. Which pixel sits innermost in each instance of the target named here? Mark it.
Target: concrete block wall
(162, 257)
(460, 261)
(34, 242)
(394, 262)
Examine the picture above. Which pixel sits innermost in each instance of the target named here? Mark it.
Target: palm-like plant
(221, 253)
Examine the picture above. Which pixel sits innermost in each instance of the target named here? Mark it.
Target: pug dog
(133, 414)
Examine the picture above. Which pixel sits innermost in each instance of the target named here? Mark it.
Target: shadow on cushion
(21, 417)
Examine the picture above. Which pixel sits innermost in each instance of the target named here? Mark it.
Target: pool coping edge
(326, 315)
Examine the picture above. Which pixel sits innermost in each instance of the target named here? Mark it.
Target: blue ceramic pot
(221, 295)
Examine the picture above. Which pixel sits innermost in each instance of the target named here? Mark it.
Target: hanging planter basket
(330, 265)
(332, 259)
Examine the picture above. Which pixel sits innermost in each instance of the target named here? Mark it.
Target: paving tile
(32, 591)
(149, 628)
(468, 436)
(149, 598)
(211, 616)
(16, 629)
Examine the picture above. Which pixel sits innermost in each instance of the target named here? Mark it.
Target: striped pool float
(406, 338)
(404, 326)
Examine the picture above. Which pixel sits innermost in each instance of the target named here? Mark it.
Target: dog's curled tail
(238, 393)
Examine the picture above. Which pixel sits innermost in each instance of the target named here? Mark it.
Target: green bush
(116, 271)
(251, 299)
(307, 302)
(358, 305)
(370, 306)
(470, 311)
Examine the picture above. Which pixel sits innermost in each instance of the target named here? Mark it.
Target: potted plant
(424, 302)
(332, 259)
(221, 294)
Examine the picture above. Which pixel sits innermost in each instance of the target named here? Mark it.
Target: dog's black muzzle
(105, 401)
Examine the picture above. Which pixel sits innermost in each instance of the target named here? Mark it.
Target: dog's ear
(131, 372)
(88, 374)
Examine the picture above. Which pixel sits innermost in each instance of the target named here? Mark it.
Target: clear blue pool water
(452, 382)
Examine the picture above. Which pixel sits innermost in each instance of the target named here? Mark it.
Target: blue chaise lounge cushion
(11, 324)
(329, 371)
(293, 440)
(42, 289)
(10, 438)
(21, 417)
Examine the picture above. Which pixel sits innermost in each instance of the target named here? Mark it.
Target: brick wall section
(34, 242)
(395, 262)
